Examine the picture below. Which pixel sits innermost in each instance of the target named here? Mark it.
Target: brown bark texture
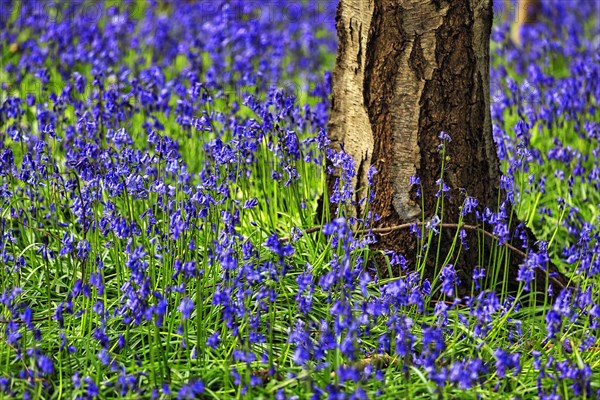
(407, 70)
(523, 12)
(526, 11)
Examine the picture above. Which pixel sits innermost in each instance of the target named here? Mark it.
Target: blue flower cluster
(160, 165)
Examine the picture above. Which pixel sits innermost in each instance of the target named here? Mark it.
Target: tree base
(483, 251)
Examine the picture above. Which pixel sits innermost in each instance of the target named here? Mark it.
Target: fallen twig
(390, 229)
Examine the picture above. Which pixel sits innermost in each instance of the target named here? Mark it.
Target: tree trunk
(349, 124)
(407, 70)
(526, 12)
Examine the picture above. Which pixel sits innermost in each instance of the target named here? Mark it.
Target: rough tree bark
(405, 71)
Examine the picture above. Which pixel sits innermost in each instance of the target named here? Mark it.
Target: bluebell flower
(213, 340)
(45, 364)
(469, 205)
(449, 280)
(191, 390)
(244, 356)
(444, 137)
(506, 361)
(83, 249)
(281, 249)
(186, 307)
(91, 387)
(433, 224)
